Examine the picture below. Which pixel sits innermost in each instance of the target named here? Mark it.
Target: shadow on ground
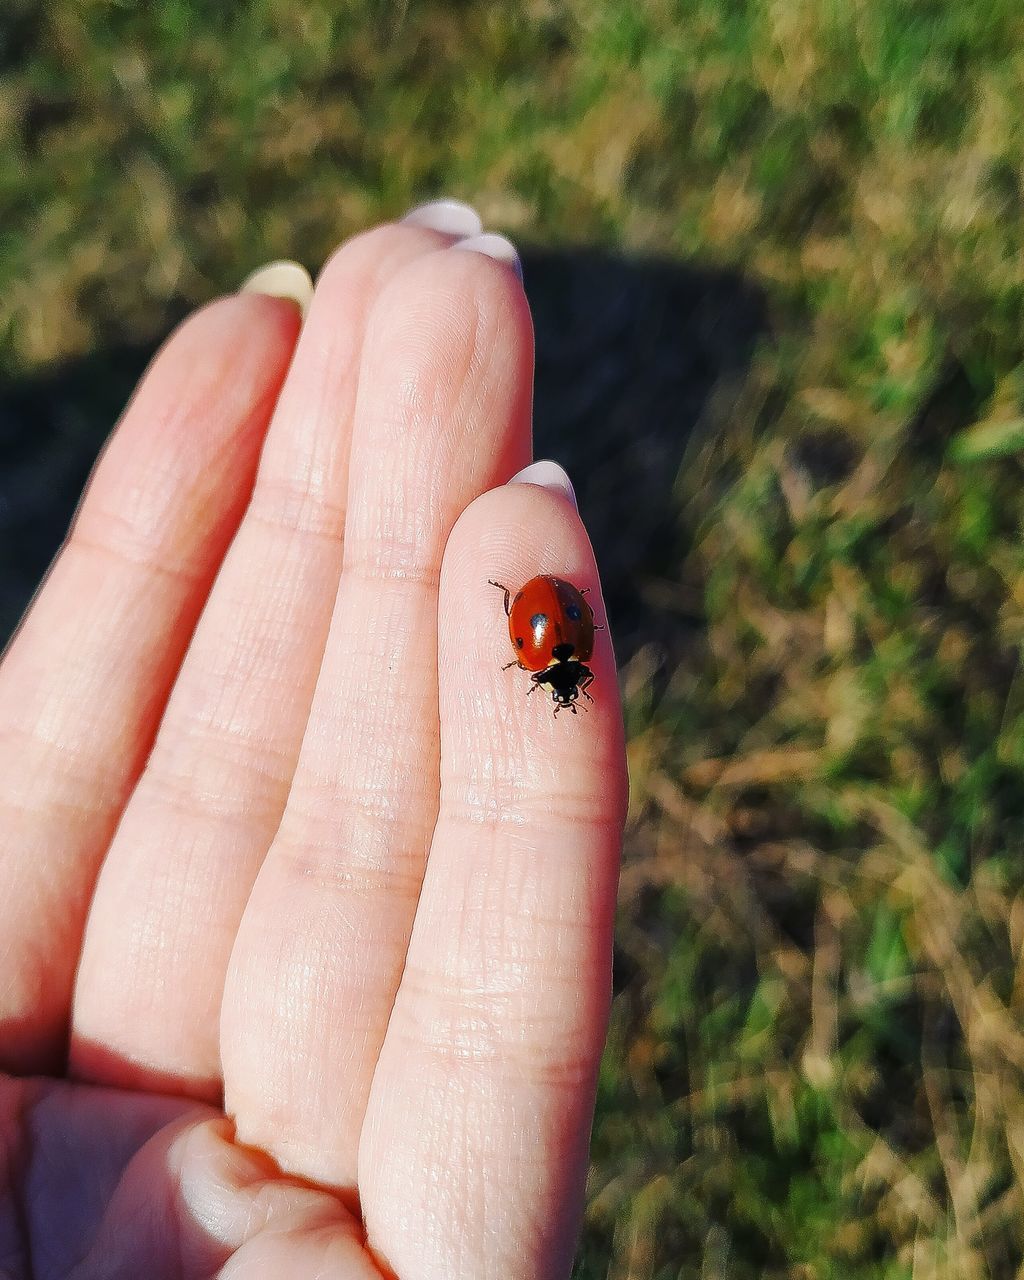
(630, 355)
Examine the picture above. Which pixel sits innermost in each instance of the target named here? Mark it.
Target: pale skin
(305, 907)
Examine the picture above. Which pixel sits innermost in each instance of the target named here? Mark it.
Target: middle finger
(443, 414)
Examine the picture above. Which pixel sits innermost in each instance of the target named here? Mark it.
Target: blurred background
(774, 251)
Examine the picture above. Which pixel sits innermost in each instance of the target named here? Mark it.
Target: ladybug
(552, 627)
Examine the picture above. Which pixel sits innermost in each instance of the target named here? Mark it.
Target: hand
(305, 907)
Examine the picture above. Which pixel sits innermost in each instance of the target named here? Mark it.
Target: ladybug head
(563, 652)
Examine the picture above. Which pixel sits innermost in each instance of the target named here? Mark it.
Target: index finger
(488, 1071)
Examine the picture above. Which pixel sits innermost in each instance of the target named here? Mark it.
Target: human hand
(305, 909)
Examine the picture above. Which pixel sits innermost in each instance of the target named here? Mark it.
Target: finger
(163, 1192)
(443, 413)
(488, 1071)
(177, 877)
(84, 683)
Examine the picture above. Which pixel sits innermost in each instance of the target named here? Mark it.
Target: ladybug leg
(508, 593)
(585, 681)
(514, 663)
(585, 591)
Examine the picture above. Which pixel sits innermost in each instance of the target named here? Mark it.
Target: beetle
(551, 627)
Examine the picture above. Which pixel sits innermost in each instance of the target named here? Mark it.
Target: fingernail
(283, 279)
(453, 217)
(494, 246)
(549, 475)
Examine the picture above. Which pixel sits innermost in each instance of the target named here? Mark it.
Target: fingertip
(234, 325)
(510, 535)
(522, 529)
(549, 475)
(520, 515)
(202, 407)
(282, 279)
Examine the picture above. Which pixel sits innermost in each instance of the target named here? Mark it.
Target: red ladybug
(552, 627)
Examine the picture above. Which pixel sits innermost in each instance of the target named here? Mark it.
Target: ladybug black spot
(572, 612)
(519, 641)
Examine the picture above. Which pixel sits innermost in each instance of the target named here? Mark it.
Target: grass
(816, 1066)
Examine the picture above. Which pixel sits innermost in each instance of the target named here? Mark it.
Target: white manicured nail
(283, 279)
(549, 475)
(494, 246)
(453, 217)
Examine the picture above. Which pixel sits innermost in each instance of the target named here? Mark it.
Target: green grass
(817, 1056)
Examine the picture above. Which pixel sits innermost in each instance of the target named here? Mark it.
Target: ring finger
(191, 840)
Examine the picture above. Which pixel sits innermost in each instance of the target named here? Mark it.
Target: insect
(552, 627)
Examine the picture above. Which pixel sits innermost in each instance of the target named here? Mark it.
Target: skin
(305, 909)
